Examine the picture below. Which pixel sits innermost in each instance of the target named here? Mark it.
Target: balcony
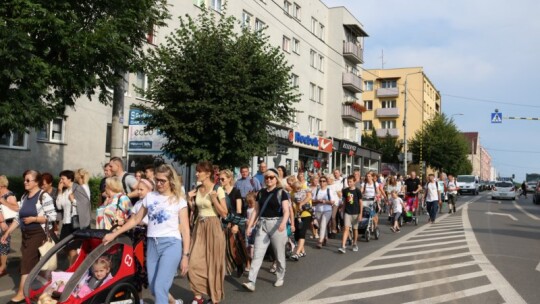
(353, 52)
(383, 132)
(349, 113)
(387, 112)
(352, 82)
(387, 92)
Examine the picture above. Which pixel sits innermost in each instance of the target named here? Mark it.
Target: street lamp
(456, 114)
(405, 146)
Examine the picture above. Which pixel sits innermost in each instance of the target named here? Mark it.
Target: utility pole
(117, 126)
(405, 147)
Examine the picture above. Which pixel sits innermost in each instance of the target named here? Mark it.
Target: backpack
(327, 192)
(133, 200)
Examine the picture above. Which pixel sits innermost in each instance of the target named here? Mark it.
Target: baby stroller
(409, 215)
(367, 228)
(120, 288)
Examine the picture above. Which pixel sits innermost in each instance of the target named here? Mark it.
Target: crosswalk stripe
(437, 240)
(401, 288)
(401, 255)
(428, 245)
(456, 295)
(407, 263)
(400, 274)
(456, 228)
(438, 233)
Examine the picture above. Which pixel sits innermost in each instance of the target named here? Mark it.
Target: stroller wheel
(377, 233)
(124, 293)
(416, 221)
(367, 235)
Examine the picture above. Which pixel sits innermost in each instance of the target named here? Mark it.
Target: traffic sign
(496, 117)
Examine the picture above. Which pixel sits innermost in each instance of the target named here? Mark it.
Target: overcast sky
(480, 54)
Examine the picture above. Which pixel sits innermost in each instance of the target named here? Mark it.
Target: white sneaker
(249, 286)
(342, 249)
(178, 301)
(278, 283)
(355, 248)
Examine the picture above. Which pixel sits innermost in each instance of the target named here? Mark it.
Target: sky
(481, 55)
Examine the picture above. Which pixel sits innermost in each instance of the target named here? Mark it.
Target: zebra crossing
(436, 263)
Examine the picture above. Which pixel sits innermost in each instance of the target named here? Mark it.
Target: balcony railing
(350, 114)
(353, 52)
(382, 132)
(387, 112)
(352, 82)
(387, 92)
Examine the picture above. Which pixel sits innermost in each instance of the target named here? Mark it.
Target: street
(485, 253)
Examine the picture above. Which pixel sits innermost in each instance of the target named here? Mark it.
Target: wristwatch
(186, 254)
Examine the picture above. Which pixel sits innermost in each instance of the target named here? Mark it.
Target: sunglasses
(161, 181)
(29, 180)
(323, 181)
(269, 177)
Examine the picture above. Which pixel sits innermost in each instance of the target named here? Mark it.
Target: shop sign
(325, 144)
(280, 133)
(141, 140)
(311, 142)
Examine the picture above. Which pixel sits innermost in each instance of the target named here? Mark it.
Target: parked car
(504, 190)
(468, 184)
(536, 195)
(531, 186)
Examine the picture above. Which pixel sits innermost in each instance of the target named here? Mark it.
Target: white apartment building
(325, 47)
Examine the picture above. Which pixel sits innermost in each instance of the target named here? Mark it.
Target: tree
(214, 90)
(389, 146)
(53, 52)
(443, 147)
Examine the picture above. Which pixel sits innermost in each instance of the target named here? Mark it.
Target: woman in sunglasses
(271, 215)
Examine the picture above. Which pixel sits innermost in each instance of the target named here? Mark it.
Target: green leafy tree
(389, 146)
(371, 140)
(214, 90)
(443, 146)
(53, 52)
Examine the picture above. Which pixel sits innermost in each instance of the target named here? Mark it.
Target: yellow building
(385, 91)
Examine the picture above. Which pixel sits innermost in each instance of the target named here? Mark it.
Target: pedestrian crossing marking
(456, 295)
(496, 117)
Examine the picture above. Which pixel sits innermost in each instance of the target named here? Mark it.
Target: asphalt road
(488, 252)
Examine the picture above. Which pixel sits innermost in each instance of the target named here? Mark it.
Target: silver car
(504, 190)
(531, 186)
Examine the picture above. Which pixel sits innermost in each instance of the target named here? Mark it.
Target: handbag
(51, 263)
(75, 219)
(255, 230)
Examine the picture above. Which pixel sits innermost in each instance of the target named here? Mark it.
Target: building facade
(325, 47)
(479, 157)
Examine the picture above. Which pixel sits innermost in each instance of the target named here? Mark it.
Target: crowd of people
(220, 227)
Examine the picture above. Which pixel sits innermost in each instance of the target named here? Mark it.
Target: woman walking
(7, 201)
(206, 266)
(271, 215)
(168, 233)
(117, 207)
(432, 199)
(323, 200)
(35, 218)
(303, 214)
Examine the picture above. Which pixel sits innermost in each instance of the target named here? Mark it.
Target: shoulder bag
(51, 263)
(251, 239)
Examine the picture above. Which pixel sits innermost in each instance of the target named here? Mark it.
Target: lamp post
(456, 114)
(405, 146)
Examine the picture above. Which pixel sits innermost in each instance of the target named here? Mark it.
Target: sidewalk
(10, 282)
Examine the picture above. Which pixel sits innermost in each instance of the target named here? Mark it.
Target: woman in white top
(370, 191)
(323, 200)
(432, 198)
(168, 232)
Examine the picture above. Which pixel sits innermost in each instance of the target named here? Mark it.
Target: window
(13, 139)
(368, 85)
(312, 89)
(313, 25)
(319, 94)
(388, 124)
(53, 131)
(287, 7)
(368, 125)
(388, 104)
(246, 19)
(315, 125)
(140, 84)
(368, 104)
(296, 45)
(321, 32)
(216, 5)
(286, 44)
(386, 84)
(296, 11)
(321, 63)
(199, 2)
(259, 25)
(294, 80)
(312, 56)
(151, 35)
(108, 139)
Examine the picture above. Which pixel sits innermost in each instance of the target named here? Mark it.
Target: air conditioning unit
(322, 133)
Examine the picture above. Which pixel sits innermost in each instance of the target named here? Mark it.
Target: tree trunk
(117, 127)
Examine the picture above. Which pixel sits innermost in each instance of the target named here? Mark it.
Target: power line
(491, 101)
(512, 151)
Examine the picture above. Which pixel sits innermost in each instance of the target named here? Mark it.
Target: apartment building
(479, 157)
(323, 44)
(388, 93)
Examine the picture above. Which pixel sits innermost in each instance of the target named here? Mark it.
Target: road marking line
(505, 289)
(456, 228)
(400, 255)
(538, 267)
(456, 295)
(534, 217)
(423, 235)
(400, 274)
(437, 240)
(439, 227)
(429, 245)
(502, 214)
(401, 288)
(408, 263)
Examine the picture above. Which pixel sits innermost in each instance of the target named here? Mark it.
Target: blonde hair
(229, 174)
(82, 176)
(103, 262)
(114, 184)
(4, 181)
(174, 181)
(251, 197)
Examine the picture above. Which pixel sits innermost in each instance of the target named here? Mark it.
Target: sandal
(319, 245)
(302, 254)
(295, 257)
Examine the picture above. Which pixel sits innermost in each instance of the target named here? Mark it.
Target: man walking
(260, 174)
(129, 182)
(352, 203)
(246, 183)
(452, 189)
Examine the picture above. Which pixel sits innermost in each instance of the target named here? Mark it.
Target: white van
(468, 184)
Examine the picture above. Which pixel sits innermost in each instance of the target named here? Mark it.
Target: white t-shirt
(397, 205)
(368, 190)
(163, 216)
(323, 195)
(452, 187)
(432, 194)
(337, 188)
(136, 209)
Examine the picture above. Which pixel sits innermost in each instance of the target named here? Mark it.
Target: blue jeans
(432, 208)
(163, 256)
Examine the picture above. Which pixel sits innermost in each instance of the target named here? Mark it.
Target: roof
(472, 140)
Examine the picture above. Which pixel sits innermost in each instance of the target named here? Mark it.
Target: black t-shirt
(273, 208)
(232, 197)
(351, 200)
(412, 184)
